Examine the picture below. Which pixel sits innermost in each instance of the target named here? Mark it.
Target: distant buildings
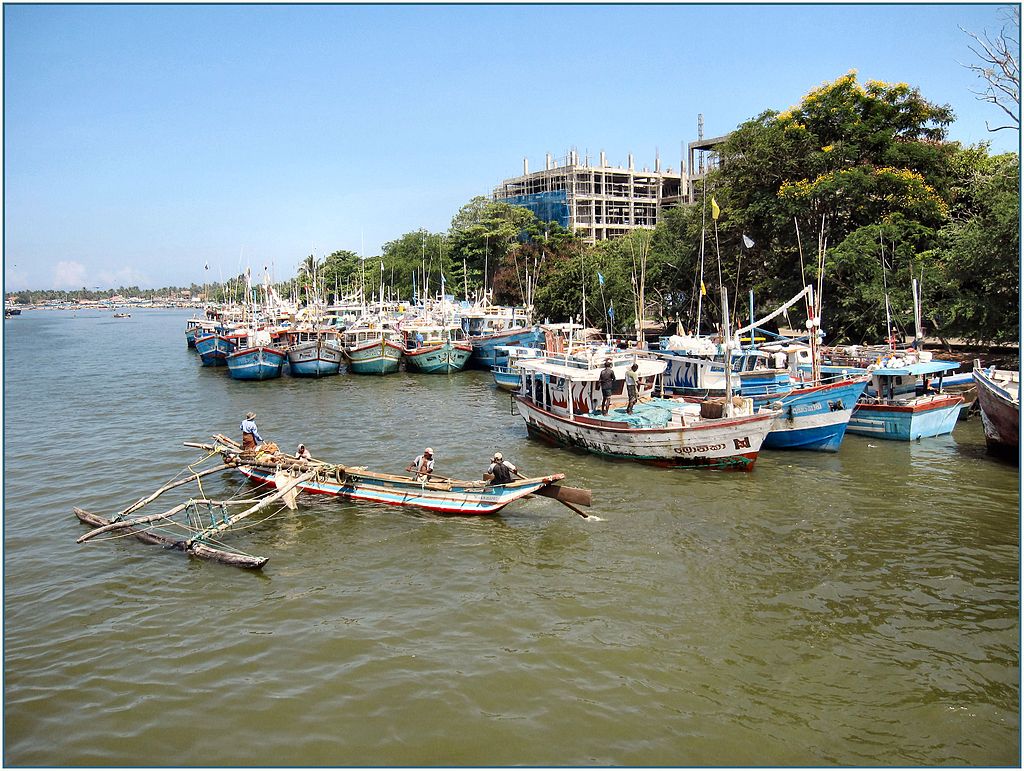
(601, 201)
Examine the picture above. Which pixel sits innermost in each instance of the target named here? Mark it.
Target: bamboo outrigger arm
(169, 486)
(197, 539)
(120, 524)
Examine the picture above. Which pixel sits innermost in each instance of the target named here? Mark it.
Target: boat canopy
(554, 368)
(934, 367)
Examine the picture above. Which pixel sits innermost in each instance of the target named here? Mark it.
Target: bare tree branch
(999, 68)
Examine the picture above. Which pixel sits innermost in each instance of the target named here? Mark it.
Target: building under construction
(599, 201)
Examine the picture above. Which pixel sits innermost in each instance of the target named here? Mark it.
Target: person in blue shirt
(250, 434)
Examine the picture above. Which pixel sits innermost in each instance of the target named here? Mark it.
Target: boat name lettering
(742, 443)
(699, 449)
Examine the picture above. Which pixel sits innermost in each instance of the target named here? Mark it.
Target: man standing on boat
(250, 434)
(607, 382)
(423, 466)
(500, 471)
(631, 388)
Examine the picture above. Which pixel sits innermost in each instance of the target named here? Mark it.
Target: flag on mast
(703, 289)
(600, 278)
(715, 210)
(748, 241)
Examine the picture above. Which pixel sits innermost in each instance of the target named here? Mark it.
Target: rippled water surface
(858, 609)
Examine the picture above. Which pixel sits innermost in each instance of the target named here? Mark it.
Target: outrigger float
(194, 527)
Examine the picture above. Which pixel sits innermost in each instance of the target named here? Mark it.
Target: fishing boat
(489, 326)
(373, 348)
(999, 398)
(558, 400)
(213, 348)
(198, 327)
(255, 358)
(197, 526)
(812, 415)
(122, 316)
(435, 348)
(902, 403)
(314, 351)
(507, 376)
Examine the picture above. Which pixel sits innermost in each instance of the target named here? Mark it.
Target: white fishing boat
(559, 400)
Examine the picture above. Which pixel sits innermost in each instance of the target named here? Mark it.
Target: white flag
(747, 241)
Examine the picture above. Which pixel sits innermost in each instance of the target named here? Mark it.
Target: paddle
(564, 503)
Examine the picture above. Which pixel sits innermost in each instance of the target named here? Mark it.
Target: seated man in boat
(500, 471)
(302, 453)
(423, 466)
(250, 434)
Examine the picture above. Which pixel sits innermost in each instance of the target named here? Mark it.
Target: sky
(143, 143)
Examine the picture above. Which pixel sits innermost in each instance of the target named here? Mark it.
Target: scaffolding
(599, 202)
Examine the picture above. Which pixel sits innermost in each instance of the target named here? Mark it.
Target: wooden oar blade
(578, 495)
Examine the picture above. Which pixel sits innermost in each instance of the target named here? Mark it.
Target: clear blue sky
(142, 142)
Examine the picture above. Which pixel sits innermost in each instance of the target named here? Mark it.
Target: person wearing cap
(250, 434)
(423, 466)
(607, 382)
(500, 471)
(302, 453)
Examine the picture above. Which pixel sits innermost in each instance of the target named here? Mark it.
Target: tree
(978, 288)
(999, 67)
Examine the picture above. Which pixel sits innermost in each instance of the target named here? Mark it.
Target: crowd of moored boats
(691, 410)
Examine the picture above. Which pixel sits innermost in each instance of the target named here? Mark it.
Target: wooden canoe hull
(384, 488)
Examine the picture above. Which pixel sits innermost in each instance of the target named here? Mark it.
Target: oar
(564, 503)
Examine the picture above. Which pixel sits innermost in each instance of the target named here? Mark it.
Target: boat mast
(727, 351)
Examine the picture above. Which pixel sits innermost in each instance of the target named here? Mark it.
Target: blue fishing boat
(256, 359)
(314, 352)
(507, 377)
(373, 349)
(902, 403)
(214, 348)
(489, 326)
(435, 348)
(812, 417)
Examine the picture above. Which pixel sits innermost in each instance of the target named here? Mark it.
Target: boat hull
(813, 418)
(719, 444)
(919, 418)
(1000, 414)
(380, 357)
(258, 363)
(214, 349)
(438, 359)
(506, 378)
(315, 358)
(485, 347)
(399, 492)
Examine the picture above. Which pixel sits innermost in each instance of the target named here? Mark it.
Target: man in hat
(423, 466)
(250, 434)
(500, 471)
(607, 382)
(303, 453)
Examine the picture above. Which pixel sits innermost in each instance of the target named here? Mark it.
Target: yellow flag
(715, 211)
(703, 289)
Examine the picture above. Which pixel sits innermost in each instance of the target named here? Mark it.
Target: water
(858, 609)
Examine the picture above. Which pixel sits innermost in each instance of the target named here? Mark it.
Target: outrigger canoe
(437, 493)
(195, 526)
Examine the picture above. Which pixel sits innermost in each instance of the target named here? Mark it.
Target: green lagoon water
(861, 608)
